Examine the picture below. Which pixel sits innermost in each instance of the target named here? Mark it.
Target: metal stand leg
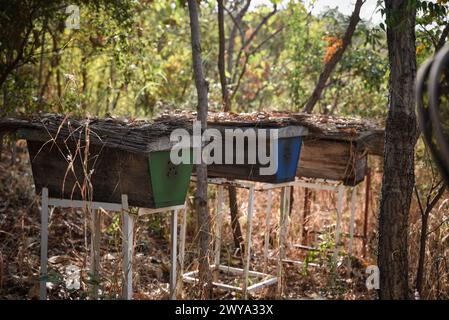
(287, 212)
(285, 200)
(95, 251)
(218, 224)
(127, 247)
(174, 242)
(365, 219)
(248, 242)
(338, 222)
(182, 246)
(44, 246)
(267, 229)
(352, 225)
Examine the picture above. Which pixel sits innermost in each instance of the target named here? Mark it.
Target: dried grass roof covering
(127, 134)
(138, 135)
(324, 126)
(365, 134)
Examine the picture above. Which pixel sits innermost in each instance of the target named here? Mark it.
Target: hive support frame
(334, 186)
(245, 272)
(173, 253)
(128, 221)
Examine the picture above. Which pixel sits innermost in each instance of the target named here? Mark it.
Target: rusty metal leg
(352, 220)
(365, 220)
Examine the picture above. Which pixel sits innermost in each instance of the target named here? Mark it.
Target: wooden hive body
(333, 160)
(99, 160)
(288, 152)
(149, 180)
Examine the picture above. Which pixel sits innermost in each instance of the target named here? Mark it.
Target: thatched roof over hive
(364, 134)
(144, 136)
(139, 136)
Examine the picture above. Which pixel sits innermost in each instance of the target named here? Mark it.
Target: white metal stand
(337, 187)
(319, 184)
(245, 272)
(127, 243)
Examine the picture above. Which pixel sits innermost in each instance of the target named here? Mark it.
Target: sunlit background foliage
(133, 57)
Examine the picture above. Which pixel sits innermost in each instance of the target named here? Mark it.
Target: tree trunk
(236, 229)
(330, 66)
(201, 169)
(400, 139)
(1, 146)
(306, 214)
(425, 213)
(235, 224)
(422, 253)
(58, 72)
(221, 57)
(41, 63)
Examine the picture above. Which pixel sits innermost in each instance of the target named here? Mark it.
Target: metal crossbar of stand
(284, 209)
(127, 243)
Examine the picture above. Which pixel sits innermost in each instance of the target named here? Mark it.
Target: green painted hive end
(169, 181)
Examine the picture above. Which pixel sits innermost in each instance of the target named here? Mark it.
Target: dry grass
(68, 247)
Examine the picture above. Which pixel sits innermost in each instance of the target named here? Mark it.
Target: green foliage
(133, 57)
(304, 44)
(355, 87)
(31, 44)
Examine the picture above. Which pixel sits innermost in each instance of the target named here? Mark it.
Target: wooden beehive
(333, 160)
(337, 148)
(115, 159)
(289, 145)
(287, 157)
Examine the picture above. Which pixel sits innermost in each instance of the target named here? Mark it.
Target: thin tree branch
(443, 37)
(330, 66)
(234, 29)
(418, 198)
(246, 42)
(245, 62)
(235, 22)
(435, 199)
